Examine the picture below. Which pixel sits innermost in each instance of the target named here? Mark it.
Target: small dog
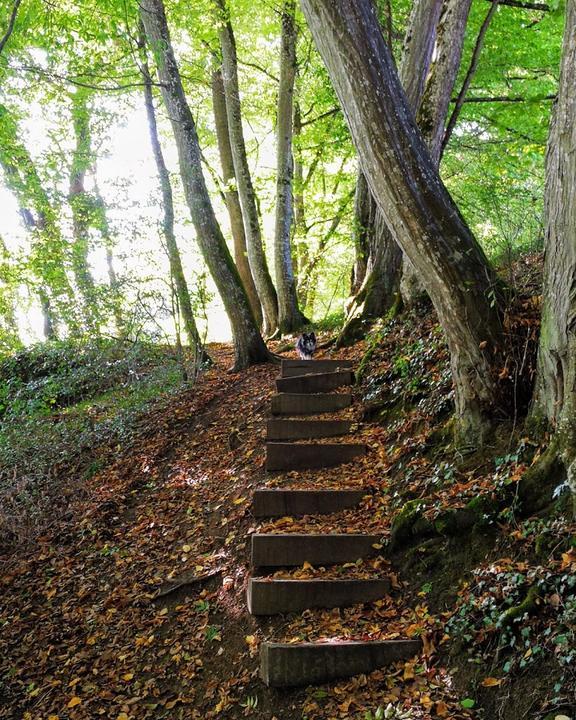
(306, 346)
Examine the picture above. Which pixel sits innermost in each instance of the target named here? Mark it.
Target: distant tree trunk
(47, 259)
(256, 255)
(231, 193)
(555, 397)
(48, 319)
(361, 233)
(415, 204)
(172, 250)
(290, 318)
(434, 107)
(379, 291)
(101, 222)
(81, 206)
(299, 247)
(248, 344)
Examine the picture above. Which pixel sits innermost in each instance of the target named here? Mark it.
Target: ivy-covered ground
(128, 602)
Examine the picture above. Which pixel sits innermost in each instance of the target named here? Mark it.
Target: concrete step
(292, 550)
(279, 503)
(306, 429)
(307, 367)
(271, 596)
(309, 404)
(319, 383)
(292, 665)
(291, 456)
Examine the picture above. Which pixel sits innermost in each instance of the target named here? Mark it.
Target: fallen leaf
(491, 682)
(74, 701)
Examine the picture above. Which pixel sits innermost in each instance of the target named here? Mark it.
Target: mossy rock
(409, 524)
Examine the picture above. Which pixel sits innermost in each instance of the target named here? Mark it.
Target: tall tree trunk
(81, 206)
(414, 202)
(360, 234)
(299, 246)
(256, 255)
(231, 193)
(290, 319)
(248, 344)
(379, 291)
(47, 259)
(434, 108)
(176, 269)
(101, 222)
(555, 397)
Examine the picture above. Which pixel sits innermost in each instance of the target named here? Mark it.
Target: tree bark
(290, 319)
(231, 193)
(172, 250)
(81, 205)
(415, 204)
(380, 287)
(555, 396)
(256, 255)
(248, 344)
(433, 108)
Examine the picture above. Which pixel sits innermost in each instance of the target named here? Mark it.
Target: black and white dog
(306, 346)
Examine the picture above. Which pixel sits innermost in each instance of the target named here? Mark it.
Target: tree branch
(11, 23)
(505, 99)
(524, 5)
(469, 75)
(329, 113)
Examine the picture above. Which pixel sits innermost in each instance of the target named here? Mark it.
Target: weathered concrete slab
(291, 456)
(270, 597)
(278, 503)
(319, 383)
(309, 404)
(295, 549)
(306, 429)
(290, 665)
(307, 367)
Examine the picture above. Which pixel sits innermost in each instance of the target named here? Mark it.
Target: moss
(527, 607)
(408, 524)
(538, 482)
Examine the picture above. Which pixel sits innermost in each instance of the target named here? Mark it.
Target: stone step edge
(273, 596)
(298, 664)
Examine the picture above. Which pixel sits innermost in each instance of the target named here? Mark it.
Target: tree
(82, 206)
(256, 255)
(555, 395)
(248, 344)
(415, 203)
(176, 269)
(290, 318)
(231, 191)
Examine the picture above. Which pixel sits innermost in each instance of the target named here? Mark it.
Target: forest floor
(131, 603)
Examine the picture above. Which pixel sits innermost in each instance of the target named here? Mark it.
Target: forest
(197, 520)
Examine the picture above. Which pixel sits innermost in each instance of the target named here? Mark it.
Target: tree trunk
(443, 73)
(256, 255)
(248, 344)
(414, 202)
(47, 259)
(555, 396)
(290, 319)
(176, 269)
(361, 234)
(434, 106)
(231, 193)
(81, 206)
(379, 291)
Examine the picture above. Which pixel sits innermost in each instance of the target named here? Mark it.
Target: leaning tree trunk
(176, 269)
(248, 344)
(231, 193)
(256, 255)
(434, 108)
(379, 292)
(555, 397)
(81, 206)
(417, 208)
(290, 319)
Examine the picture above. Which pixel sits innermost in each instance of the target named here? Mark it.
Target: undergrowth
(63, 407)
